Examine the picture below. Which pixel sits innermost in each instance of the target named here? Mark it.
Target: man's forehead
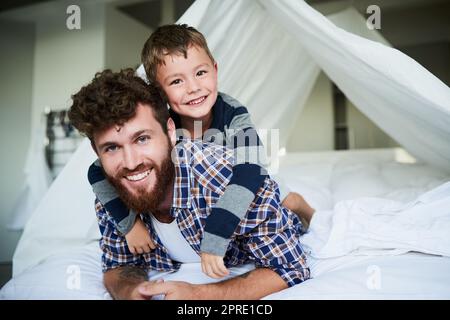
(143, 121)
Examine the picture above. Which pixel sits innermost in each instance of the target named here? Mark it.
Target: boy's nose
(193, 86)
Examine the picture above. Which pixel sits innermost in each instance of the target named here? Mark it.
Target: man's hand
(138, 238)
(173, 290)
(138, 293)
(213, 265)
(254, 285)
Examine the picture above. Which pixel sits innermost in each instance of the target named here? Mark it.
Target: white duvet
(376, 226)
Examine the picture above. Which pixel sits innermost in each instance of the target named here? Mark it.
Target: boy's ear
(215, 66)
(171, 131)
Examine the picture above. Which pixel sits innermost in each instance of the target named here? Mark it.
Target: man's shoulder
(205, 161)
(190, 150)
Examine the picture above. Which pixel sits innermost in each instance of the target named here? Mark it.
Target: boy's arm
(123, 217)
(249, 174)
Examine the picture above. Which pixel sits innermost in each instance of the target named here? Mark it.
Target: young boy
(176, 58)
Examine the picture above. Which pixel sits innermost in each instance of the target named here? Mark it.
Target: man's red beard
(142, 200)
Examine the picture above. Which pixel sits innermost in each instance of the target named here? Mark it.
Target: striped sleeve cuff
(214, 244)
(126, 224)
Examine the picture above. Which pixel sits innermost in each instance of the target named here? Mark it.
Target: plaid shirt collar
(181, 189)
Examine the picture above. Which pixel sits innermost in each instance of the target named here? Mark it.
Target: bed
(324, 179)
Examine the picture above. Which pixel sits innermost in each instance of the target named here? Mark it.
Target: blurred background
(43, 62)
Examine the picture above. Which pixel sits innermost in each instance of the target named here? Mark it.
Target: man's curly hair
(111, 99)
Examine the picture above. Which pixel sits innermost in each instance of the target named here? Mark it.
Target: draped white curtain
(270, 53)
(37, 181)
(393, 90)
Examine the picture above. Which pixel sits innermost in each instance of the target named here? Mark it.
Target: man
(175, 186)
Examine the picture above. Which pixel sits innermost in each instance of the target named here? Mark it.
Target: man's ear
(171, 131)
(93, 146)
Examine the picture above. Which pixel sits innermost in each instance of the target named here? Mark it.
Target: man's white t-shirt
(180, 250)
(175, 243)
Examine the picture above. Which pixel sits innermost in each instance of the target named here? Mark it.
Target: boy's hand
(213, 265)
(138, 238)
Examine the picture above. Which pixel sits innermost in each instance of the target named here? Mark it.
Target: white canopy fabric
(270, 54)
(393, 90)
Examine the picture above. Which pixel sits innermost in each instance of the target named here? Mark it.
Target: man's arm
(253, 285)
(122, 282)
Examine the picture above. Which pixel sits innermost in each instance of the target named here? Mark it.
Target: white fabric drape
(37, 181)
(65, 218)
(269, 55)
(393, 90)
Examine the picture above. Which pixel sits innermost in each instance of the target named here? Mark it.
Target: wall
(363, 133)
(314, 127)
(435, 57)
(124, 39)
(16, 61)
(66, 59)
(43, 63)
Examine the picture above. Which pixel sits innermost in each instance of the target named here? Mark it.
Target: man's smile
(139, 176)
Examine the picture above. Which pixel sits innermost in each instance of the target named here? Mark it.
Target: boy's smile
(190, 84)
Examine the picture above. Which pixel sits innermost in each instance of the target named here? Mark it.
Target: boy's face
(189, 83)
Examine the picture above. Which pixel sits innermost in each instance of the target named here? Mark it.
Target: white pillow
(317, 173)
(318, 197)
(78, 276)
(75, 275)
(401, 175)
(355, 180)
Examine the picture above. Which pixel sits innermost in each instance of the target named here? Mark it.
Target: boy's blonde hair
(168, 40)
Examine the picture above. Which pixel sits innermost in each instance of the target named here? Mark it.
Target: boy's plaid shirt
(267, 236)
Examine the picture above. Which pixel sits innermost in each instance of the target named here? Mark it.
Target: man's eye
(201, 72)
(143, 139)
(111, 149)
(176, 81)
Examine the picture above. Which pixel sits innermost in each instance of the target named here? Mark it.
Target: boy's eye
(142, 139)
(176, 81)
(201, 72)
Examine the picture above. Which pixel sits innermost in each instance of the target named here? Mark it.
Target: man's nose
(131, 159)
